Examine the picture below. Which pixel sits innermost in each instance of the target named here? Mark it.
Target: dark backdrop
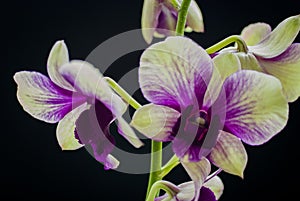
(32, 164)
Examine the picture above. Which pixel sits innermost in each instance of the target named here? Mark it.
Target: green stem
(156, 147)
(155, 165)
(182, 14)
(122, 93)
(172, 163)
(241, 45)
(168, 187)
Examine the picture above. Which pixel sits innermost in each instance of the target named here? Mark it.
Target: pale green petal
(198, 171)
(187, 191)
(279, 39)
(150, 13)
(58, 56)
(194, 18)
(248, 61)
(224, 65)
(155, 121)
(127, 132)
(216, 185)
(229, 154)
(65, 129)
(255, 33)
(286, 67)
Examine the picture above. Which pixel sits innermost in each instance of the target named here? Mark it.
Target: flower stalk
(122, 93)
(172, 163)
(168, 187)
(182, 14)
(156, 147)
(241, 45)
(155, 166)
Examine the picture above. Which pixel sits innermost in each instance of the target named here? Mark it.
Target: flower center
(199, 123)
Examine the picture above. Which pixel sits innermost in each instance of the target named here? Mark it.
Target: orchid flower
(274, 53)
(74, 89)
(203, 114)
(159, 18)
(211, 190)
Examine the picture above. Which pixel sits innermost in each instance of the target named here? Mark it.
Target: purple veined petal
(279, 39)
(175, 72)
(42, 99)
(229, 154)
(216, 185)
(127, 132)
(58, 56)
(155, 121)
(255, 33)
(198, 171)
(150, 14)
(66, 128)
(206, 195)
(92, 130)
(256, 107)
(88, 80)
(225, 64)
(286, 67)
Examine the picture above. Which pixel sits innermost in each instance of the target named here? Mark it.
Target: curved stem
(172, 163)
(182, 14)
(122, 93)
(213, 174)
(156, 147)
(155, 164)
(168, 187)
(241, 45)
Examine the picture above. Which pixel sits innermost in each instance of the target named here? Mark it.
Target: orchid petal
(186, 191)
(174, 72)
(88, 80)
(111, 162)
(66, 128)
(286, 67)
(216, 185)
(229, 154)
(207, 194)
(42, 99)
(279, 39)
(92, 130)
(248, 61)
(198, 171)
(255, 33)
(256, 108)
(150, 14)
(58, 56)
(194, 18)
(126, 131)
(155, 121)
(224, 65)
(166, 22)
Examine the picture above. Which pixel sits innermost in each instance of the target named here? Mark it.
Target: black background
(32, 164)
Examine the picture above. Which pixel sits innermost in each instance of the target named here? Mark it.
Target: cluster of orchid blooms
(207, 102)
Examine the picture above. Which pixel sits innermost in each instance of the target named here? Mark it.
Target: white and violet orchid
(205, 115)
(74, 90)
